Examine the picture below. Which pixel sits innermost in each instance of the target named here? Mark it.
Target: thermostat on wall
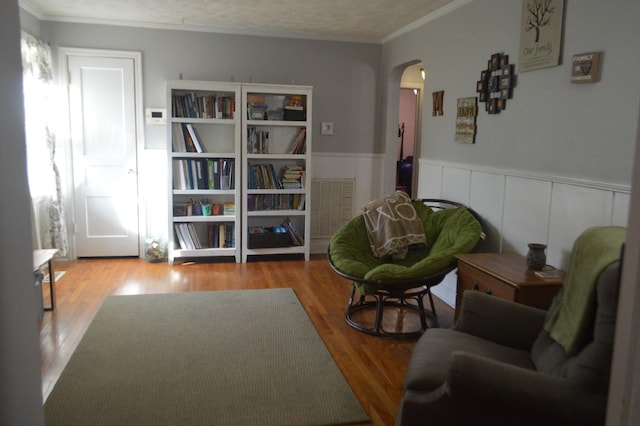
(156, 116)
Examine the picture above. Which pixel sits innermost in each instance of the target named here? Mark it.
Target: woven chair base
(400, 299)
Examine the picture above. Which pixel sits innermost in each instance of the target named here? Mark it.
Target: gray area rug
(247, 357)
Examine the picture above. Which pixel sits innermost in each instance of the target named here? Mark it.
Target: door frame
(63, 54)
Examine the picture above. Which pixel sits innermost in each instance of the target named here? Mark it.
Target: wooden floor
(374, 367)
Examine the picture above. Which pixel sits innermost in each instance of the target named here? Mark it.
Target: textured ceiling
(355, 20)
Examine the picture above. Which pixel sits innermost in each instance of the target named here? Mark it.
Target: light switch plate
(326, 128)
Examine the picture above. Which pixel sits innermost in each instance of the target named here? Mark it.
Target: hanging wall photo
(496, 83)
(540, 34)
(466, 112)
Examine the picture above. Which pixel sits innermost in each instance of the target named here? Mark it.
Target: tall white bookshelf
(276, 152)
(204, 169)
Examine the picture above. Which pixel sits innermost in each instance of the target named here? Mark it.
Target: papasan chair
(450, 228)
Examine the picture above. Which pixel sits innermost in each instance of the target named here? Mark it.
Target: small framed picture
(505, 82)
(492, 106)
(481, 86)
(505, 93)
(504, 61)
(484, 75)
(483, 96)
(493, 84)
(508, 70)
(495, 61)
(501, 104)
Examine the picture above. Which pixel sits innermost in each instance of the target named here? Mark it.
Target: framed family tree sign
(540, 34)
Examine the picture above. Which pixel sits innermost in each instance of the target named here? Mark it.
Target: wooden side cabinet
(505, 275)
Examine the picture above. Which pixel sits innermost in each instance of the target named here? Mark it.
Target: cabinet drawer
(473, 279)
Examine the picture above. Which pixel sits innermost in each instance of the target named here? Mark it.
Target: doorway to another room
(409, 111)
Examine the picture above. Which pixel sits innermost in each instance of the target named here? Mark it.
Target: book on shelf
(299, 144)
(181, 240)
(194, 138)
(180, 180)
(296, 238)
(177, 139)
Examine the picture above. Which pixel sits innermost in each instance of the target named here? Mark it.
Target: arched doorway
(409, 127)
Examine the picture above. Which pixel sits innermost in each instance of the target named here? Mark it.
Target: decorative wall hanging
(540, 34)
(437, 103)
(496, 83)
(586, 68)
(467, 110)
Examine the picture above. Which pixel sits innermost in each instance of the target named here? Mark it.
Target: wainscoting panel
(519, 208)
(527, 203)
(487, 197)
(455, 184)
(621, 203)
(572, 211)
(429, 181)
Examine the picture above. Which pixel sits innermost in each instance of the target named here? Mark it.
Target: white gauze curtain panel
(44, 179)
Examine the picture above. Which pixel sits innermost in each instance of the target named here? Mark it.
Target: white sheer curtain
(44, 179)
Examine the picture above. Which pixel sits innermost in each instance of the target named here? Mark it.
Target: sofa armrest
(486, 382)
(498, 320)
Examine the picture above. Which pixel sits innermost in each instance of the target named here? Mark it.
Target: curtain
(44, 178)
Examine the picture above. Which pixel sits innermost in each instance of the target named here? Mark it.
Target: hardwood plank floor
(374, 367)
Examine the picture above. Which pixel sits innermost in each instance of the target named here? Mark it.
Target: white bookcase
(206, 172)
(275, 120)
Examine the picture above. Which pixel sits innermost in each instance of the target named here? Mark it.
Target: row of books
(257, 141)
(192, 105)
(257, 202)
(264, 176)
(204, 173)
(219, 235)
(300, 143)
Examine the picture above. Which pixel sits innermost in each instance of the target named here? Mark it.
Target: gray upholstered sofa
(499, 366)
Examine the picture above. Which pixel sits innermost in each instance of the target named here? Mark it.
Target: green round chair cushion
(449, 232)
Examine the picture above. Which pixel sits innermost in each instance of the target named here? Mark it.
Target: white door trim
(63, 54)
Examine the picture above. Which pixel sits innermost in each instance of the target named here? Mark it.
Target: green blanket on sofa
(593, 251)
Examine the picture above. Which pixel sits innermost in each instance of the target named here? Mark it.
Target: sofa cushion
(431, 357)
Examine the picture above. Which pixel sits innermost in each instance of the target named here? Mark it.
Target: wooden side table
(505, 275)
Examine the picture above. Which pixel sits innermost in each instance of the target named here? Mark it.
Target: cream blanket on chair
(392, 226)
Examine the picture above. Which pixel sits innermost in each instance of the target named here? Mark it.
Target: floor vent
(331, 205)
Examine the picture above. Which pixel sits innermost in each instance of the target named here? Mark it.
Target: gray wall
(20, 381)
(343, 75)
(550, 126)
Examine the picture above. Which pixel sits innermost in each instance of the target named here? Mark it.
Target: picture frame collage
(496, 83)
